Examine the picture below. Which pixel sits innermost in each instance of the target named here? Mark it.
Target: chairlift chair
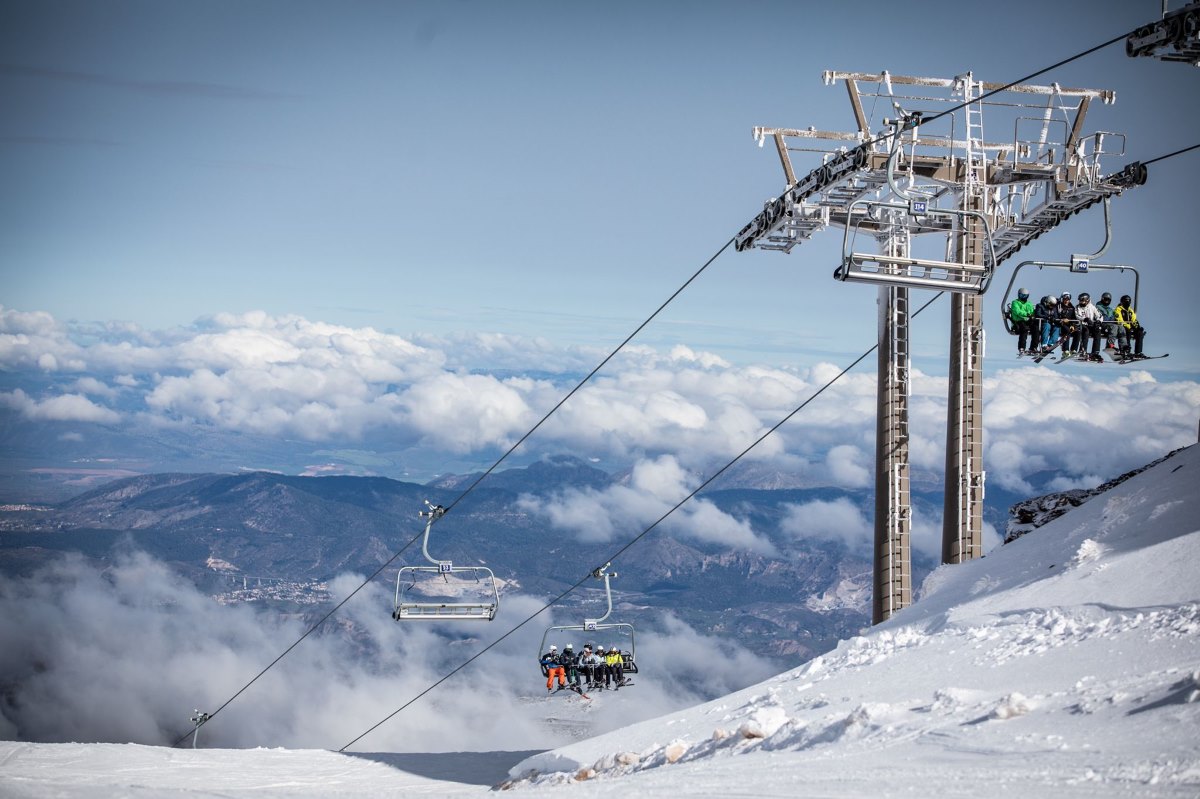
(1070, 267)
(409, 584)
(623, 629)
(1078, 265)
(868, 219)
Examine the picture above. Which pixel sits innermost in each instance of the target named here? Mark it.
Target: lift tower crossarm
(1061, 205)
(831, 76)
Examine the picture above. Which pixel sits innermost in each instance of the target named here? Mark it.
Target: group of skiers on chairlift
(599, 668)
(1059, 322)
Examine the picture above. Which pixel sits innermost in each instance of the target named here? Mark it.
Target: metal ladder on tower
(976, 158)
(900, 499)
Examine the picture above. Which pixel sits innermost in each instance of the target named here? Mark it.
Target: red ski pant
(556, 670)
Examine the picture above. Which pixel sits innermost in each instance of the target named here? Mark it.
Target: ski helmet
(1106, 298)
(1066, 295)
(1022, 294)
(1084, 297)
(553, 648)
(1051, 301)
(1126, 299)
(569, 648)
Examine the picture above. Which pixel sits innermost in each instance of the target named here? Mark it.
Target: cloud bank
(124, 653)
(475, 395)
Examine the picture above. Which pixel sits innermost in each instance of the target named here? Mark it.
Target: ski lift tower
(928, 203)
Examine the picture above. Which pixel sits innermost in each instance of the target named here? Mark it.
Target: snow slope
(1066, 663)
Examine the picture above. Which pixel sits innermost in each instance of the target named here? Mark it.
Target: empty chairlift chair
(869, 222)
(443, 591)
(895, 225)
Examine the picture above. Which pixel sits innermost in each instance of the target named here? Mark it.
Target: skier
(570, 661)
(600, 675)
(1020, 311)
(1046, 314)
(1091, 325)
(616, 667)
(1134, 333)
(553, 669)
(1068, 324)
(1109, 320)
(587, 664)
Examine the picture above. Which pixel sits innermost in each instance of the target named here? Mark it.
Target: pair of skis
(579, 690)
(574, 688)
(1058, 347)
(1043, 355)
(1117, 358)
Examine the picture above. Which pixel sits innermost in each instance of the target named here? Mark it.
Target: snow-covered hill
(1066, 663)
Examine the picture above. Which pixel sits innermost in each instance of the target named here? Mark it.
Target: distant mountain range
(222, 531)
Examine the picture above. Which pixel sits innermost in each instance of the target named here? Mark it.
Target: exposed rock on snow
(1031, 514)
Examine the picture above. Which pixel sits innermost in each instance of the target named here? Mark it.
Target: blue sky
(552, 169)
(301, 225)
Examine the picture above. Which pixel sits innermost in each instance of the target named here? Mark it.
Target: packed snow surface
(1066, 663)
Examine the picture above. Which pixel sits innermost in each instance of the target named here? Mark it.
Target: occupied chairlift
(881, 221)
(623, 629)
(1079, 265)
(451, 587)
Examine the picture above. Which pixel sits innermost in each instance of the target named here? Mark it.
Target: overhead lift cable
(477, 481)
(1170, 155)
(637, 537)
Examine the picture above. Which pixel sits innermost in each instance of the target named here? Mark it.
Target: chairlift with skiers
(623, 632)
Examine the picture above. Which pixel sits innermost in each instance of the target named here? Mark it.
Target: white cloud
(1091, 428)
(90, 385)
(468, 412)
(501, 351)
(135, 649)
(291, 377)
(61, 408)
(619, 512)
(845, 463)
(829, 520)
(35, 341)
